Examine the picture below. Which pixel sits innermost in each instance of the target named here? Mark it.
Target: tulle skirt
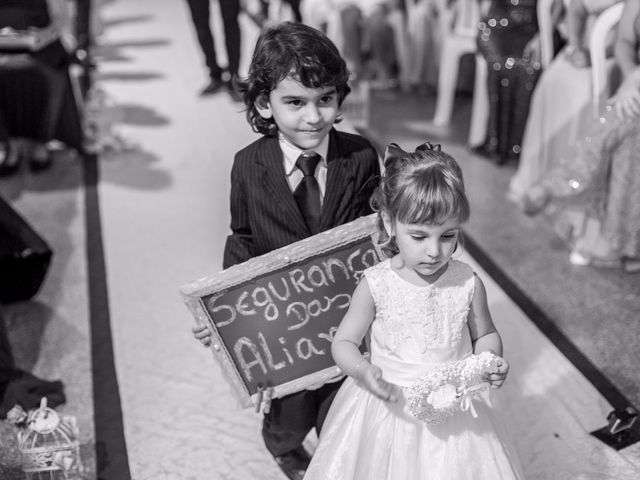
(365, 438)
(560, 110)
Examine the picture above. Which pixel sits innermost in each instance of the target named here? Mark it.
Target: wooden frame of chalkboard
(273, 317)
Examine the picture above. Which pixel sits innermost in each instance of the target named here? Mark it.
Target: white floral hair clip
(437, 395)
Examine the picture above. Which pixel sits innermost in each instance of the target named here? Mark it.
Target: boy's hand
(370, 377)
(263, 402)
(202, 333)
(497, 378)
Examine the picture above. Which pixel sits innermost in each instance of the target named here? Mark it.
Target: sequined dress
(596, 186)
(560, 110)
(504, 33)
(559, 113)
(596, 190)
(415, 329)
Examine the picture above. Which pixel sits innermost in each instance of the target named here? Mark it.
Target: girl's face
(303, 115)
(425, 248)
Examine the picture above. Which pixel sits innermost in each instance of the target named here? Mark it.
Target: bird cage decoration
(49, 446)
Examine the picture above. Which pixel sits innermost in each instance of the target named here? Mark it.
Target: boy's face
(303, 115)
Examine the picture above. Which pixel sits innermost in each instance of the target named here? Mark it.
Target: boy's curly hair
(296, 50)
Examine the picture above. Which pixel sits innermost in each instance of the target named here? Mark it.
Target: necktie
(307, 193)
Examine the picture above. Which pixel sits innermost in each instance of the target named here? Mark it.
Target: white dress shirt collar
(291, 153)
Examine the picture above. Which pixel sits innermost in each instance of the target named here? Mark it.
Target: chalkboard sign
(273, 317)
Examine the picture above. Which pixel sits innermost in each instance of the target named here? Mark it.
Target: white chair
(415, 54)
(424, 24)
(480, 104)
(397, 19)
(460, 40)
(279, 11)
(600, 66)
(545, 30)
(402, 41)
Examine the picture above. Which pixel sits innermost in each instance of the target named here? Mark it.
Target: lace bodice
(416, 327)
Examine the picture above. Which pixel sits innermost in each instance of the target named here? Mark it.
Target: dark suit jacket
(264, 214)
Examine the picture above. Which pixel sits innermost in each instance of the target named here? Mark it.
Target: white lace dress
(415, 329)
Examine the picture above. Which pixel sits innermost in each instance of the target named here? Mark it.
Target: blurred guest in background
(561, 104)
(200, 14)
(508, 40)
(362, 31)
(33, 78)
(596, 187)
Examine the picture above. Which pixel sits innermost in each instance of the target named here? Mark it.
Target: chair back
(466, 15)
(603, 24)
(545, 29)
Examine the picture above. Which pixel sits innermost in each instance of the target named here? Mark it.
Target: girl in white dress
(420, 408)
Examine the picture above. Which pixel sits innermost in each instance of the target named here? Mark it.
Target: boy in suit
(302, 177)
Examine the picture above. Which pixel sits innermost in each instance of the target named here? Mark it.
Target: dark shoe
(482, 151)
(235, 89)
(502, 160)
(294, 464)
(214, 86)
(9, 159)
(631, 265)
(41, 158)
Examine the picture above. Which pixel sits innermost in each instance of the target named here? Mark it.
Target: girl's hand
(370, 377)
(497, 378)
(202, 333)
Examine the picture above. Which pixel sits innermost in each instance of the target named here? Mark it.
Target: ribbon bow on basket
(437, 395)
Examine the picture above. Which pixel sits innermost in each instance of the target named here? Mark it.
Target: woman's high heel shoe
(535, 200)
(579, 259)
(629, 265)
(9, 159)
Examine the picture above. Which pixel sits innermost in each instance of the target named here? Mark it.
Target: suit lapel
(276, 186)
(338, 178)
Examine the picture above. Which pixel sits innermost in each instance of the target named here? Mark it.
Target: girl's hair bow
(393, 152)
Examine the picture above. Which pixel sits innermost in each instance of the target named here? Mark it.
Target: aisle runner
(165, 216)
(551, 405)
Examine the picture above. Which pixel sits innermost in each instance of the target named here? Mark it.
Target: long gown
(560, 110)
(596, 190)
(504, 32)
(415, 329)
(595, 187)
